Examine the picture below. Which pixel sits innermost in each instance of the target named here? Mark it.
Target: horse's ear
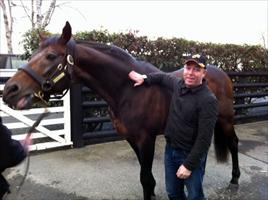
(66, 33)
(42, 36)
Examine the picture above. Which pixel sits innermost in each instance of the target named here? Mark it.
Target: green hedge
(168, 54)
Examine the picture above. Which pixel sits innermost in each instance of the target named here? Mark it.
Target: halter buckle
(70, 59)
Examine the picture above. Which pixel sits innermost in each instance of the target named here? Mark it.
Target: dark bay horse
(139, 114)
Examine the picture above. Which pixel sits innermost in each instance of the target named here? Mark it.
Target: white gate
(53, 131)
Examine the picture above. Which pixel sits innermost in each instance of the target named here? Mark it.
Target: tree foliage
(31, 41)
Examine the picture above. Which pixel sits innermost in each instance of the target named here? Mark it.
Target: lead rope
(28, 135)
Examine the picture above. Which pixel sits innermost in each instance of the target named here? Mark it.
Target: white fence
(53, 131)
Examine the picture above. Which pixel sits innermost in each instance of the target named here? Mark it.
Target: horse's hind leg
(144, 148)
(232, 142)
(226, 136)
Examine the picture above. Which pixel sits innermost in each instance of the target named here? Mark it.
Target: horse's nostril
(11, 90)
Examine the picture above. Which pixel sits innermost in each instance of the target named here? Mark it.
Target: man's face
(193, 74)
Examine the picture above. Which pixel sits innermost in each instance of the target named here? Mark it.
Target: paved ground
(110, 171)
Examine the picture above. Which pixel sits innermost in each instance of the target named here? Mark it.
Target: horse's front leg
(143, 145)
(144, 148)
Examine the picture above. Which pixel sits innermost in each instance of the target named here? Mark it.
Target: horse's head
(46, 73)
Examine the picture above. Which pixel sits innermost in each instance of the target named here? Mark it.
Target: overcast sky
(236, 22)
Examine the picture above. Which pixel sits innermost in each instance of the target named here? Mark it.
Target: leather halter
(47, 84)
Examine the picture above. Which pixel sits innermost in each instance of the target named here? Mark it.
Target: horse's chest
(117, 123)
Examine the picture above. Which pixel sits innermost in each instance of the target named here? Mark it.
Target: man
(12, 152)
(189, 128)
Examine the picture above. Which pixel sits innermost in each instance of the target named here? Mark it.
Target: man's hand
(183, 172)
(27, 142)
(138, 78)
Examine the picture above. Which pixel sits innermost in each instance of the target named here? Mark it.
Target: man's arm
(12, 152)
(160, 78)
(137, 78)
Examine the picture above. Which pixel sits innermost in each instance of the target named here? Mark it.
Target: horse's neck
(102, 74)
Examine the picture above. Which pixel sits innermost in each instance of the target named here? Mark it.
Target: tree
(8, 21)
(39, 19)
(33, 10)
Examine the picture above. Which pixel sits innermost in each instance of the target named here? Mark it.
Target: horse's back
(145, 67)
(219, 82)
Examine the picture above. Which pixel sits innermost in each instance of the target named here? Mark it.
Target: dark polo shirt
(192, 116)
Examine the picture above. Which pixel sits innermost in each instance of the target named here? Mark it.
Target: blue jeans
(174, 185)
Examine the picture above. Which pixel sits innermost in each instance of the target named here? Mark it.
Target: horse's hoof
(233, 188)
(153, 197)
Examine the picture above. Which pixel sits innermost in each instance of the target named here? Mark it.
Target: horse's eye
(51, 56)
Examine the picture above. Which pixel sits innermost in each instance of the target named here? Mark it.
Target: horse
(139, 114)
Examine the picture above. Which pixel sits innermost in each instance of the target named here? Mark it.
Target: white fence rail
(54, 131)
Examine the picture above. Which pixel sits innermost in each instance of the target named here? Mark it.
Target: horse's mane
(120, 54)
(109, 49)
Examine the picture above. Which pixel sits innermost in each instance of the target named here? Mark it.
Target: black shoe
(4, 192)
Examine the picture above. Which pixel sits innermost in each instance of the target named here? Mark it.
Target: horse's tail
(220, 144)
